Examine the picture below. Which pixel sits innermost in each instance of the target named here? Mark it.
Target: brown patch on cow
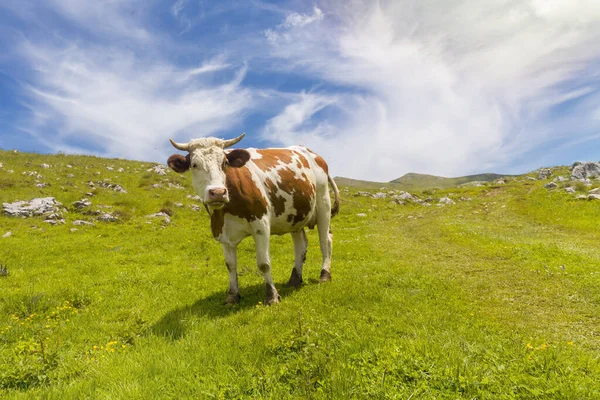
(217, 220)
(245, 199)
(277, 201)
(302, 192)
(304, 161)
(320, 161)
(272, 157)
(264, 268)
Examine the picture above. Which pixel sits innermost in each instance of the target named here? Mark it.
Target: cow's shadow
(174, 323)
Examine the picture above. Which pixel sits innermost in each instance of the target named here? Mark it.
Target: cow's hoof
(273, 300)
(295, 280)
(233, 299)
(325, 276)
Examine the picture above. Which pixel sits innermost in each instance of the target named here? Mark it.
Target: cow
(259, 193)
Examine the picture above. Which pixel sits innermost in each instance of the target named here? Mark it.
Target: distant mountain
(438, 182)
(414, 181)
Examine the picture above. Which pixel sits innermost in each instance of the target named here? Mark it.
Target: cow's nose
(217, 193)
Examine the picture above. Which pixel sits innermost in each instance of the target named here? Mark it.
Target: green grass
(492, 298)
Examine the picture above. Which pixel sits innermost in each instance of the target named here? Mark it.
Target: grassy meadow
(494, 297)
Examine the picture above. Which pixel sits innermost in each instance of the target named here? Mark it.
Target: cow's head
(208, 160)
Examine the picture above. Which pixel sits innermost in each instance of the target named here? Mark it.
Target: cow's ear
(237, 157)
(179, 163)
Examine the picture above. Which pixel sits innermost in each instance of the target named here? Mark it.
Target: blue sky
(378, 88)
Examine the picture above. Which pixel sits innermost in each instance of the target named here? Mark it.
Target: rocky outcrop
(35, 207)
(585, 170)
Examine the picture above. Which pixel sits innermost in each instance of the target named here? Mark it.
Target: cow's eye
(194, 165)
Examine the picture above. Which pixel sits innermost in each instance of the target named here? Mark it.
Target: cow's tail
(336, 196)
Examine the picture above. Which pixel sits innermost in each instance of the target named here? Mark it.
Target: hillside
(471, 292)
(413, 181)
(424, 181)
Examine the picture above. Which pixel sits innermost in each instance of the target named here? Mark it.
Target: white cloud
(108, 18)
(124, 105)
(177, 11)
(295, 19)
(446, 88)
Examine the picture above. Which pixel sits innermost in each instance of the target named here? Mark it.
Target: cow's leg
(325, 235)
(263, 260)
(230, 252)
(300, 245)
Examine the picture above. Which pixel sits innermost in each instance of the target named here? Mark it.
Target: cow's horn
(180, 146)
(231, 142)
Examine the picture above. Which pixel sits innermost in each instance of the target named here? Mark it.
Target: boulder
(82, 203)
(34, 207)
(107, 217)
(585, 170)
(544, 173)
(446, 200)
(551, 185)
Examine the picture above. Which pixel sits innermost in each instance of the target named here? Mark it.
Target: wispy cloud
(441, 88)
(378, 88)
(128, 106)
(115, 101)
(177, 11)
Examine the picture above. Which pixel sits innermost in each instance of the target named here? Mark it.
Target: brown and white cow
(258, 193)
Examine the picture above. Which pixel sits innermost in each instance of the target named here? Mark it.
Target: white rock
(37, 206)
(45, 166)
(446, 200)
(159, 169)
(81, 222)
(361, 215)
(82, 203)
(106, 217)
(7, 234)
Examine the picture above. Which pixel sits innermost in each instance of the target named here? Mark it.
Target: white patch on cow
(254, 155)
(206, 166)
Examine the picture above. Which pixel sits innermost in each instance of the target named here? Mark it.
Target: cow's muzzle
(217, 197)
